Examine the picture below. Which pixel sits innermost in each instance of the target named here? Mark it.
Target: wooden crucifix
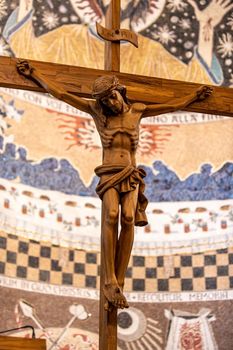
(117, 121)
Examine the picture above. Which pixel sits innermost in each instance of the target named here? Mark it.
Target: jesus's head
(110, 95)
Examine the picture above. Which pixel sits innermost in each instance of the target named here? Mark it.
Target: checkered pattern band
(43, 262)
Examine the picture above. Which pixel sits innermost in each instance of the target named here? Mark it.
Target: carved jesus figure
(121, 182)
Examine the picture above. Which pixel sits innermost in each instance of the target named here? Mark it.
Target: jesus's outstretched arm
(177, 103)
(54, 89)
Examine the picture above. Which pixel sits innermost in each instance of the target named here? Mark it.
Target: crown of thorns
(104, 85)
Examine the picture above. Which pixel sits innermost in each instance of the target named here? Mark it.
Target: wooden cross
(79, 80)
(112, 36)
(148, 90)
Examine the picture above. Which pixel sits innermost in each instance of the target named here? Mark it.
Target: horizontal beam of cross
(79, 80)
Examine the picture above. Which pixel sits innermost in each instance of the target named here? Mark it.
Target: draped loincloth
(124, 179)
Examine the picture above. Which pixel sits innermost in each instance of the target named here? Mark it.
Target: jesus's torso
(120, 136)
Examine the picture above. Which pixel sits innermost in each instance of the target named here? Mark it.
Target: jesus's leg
(125, 242)
(110, 215)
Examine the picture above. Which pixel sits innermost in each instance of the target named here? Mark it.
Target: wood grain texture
(112, 49)
(107, 319)
(107, 322)
(16, 343)
(79, 80)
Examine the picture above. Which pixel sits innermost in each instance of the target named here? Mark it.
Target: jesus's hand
(203, 92)
(24, 68)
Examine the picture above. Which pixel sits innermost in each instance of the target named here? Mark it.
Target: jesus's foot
(115, 297)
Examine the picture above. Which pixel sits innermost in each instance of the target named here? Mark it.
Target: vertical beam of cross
(112, 48)
(108, 319)
(112, 36)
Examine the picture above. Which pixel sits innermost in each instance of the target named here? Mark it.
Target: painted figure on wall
(121, 182)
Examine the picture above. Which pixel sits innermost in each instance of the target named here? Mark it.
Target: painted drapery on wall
(180, 278)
